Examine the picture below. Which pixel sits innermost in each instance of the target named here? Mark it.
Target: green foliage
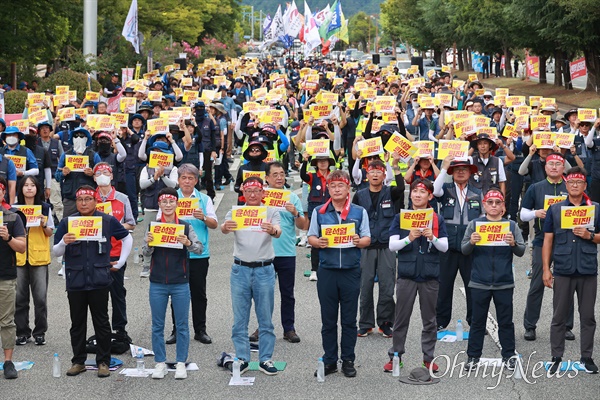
(75, 81)
(14, 101)
(361, 29)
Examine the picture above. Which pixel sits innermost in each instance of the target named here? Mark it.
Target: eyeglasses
(554, 164)
(85, 199)
(254, 150)
(494, 202)
(277, 175)
(576, 183)
(79, 135)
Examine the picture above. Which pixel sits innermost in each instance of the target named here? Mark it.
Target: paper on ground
(133, 348)
(133, 372)
(245, 381)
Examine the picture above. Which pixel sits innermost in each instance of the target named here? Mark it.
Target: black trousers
(208, 175)
(97, 301)
(453, 262)
(117, 297)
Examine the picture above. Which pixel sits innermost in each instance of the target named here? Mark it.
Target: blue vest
(345, 258)
(573, 254)
(198, 226)
(381, 215)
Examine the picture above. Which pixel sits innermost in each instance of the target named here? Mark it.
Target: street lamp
(375, 44)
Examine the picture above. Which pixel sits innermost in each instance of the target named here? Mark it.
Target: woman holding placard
(32, 271)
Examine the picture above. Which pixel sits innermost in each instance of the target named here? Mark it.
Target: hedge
(75, 81)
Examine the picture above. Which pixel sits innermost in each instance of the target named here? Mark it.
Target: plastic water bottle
(136, 255)
(140, 360)
(459, 331)
(56, 366)
(237, 377)
(396, 365)
(320, 370)
(231, 186)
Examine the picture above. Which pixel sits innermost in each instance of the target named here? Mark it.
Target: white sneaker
(302, 241)
(160, 370)
(313, 276)
(145, 273)
(61, 271)
(180, 372)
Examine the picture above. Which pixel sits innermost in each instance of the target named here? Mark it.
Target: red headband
(376, 167)
(167, 196)
(252, 183)
(2, 186)
(423, 186)
(555, 157)
(85, 192)
(493, 194)
(102, 167)
(576, 175)
(340, 179)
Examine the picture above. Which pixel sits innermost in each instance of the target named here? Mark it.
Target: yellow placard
(76, 163)
(186, 112)
(522, 110)
(21, 124)
(317, 147)
(208, 95)
(549, 200)
(154, 95)
(249, 218)
(339, 235)
(424, 148)
(533, 100)
(120, 119)
(501, 92)
(186, 207)
(328, 97)
(248, 174)
(389, 117)
(539, 122)
(492, 233)
(384, 104)
(548, 102)
(92, 96)
(165, 235)
(19, 161)
(473, 77)
(82, 112)
(259, 93)
(158, 159)
(369, 94)
(564, 140)
(513, 101)
(61, 99)
(273, 117)
(85, 228)
(189, 96)
(370, 147)
(446, 69)
(416, 219)
(320, 111)
(33, 214)
(38, 117)
(479, 92)
(277, 197)
(457, 83)
(580, 216)
(488, 130)
(453, 148)
(219, 80)
(36, 99)
(481, 121)
(157, 125)
(66, 114)
(522, 122)
(401, 145)
(443, 99)
(251, 106)
(586, 114)
(510, 131)
(62, 90)
(186, 82)
(105, 123)
(543, 140)
(500, 100)
(128, 105)
(173, 117)
(105, 207)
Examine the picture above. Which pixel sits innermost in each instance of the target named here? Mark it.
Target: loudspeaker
(220, 57)
(182, 63)
(417, 61)
(376, 59)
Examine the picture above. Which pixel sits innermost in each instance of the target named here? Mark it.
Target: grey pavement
(297, 381)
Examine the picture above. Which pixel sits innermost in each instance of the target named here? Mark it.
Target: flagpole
(90, 30)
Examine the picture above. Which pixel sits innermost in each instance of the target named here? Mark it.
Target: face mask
(79, 144)
(103, 180)
(104, 148)
(12, 141)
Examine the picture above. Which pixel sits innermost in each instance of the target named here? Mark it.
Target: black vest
(381, 215)
(487, 176)
(53, 152)
(150, 194)
(75, 180)
(456, 222)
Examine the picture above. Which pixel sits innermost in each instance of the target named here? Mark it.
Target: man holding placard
(85, 240)
(493, 241)
(419, 236)
(8, 171)
(339, 229)
(253, 275)
(23, 158)
(536, 201)
(571, 240)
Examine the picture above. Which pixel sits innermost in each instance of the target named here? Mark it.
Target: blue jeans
(248, 284)
(180, 299)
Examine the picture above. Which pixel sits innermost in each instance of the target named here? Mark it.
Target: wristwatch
(9, 238)
(592, 235)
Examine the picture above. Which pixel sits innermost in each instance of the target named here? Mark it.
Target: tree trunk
(466, 59)
(566, 71)
(393, 48)
(508, 62)
(469, 60)
(445, 57)
(461, 63)
(558, 57)
(543, 69)
(437, 56)
(592, 63)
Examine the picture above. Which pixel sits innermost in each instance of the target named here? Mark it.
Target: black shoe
(10, 372)
(510, 363)
(386, 330)
(40, 340)
(589, 365)
(329, 369)
(172, 339)
(348, 369)
(472, 363)
(555, 365)
(202, 337)
(21, 340)
(228, 181)
(529, 334)
(441, 328)
(569, 335)
(254, 336)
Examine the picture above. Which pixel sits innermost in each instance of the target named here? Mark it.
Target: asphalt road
(297, 381)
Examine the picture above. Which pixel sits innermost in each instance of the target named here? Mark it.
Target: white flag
(293, 24)
(311, 32)
(130, 29)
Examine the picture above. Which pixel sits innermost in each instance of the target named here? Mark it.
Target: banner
(578, 68)
(249, 218)
(581, 216)
(33, 214)
(165, 235)
(277, 198)
(77, 163)
(492, 233)
(416, 219)
(186, 207)
(532, 65)
(549, 200)
(338, 236)
(158, 159)
(85, 228)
